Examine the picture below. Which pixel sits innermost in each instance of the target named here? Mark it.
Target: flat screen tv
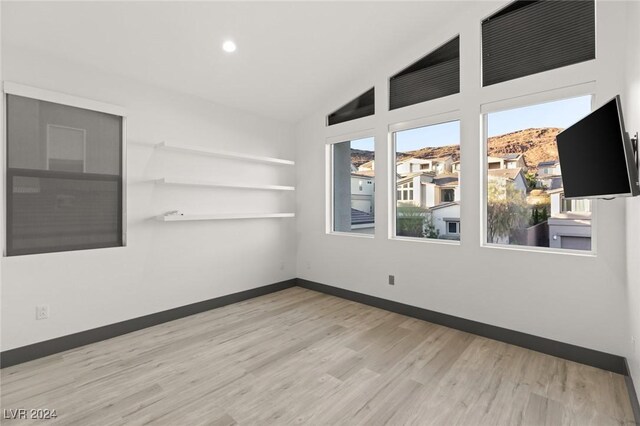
(597, 157)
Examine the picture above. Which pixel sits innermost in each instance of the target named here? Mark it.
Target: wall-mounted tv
(597, 156)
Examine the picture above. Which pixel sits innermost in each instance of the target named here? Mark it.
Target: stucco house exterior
(362, 191)
(569, 222)
(446, 220)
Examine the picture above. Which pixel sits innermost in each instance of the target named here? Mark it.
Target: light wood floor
(301, 357)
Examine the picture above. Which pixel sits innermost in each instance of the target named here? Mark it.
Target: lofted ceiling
(290, 54)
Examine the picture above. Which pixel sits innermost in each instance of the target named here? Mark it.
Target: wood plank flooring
(301, 357)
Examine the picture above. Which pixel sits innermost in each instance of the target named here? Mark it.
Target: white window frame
(329, 180)
(12, 88)
(392, 200)
(564, 93)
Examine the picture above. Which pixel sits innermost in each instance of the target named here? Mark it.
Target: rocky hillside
(359, 157)
(537, 145)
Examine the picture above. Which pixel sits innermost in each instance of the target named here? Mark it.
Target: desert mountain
(537, 145)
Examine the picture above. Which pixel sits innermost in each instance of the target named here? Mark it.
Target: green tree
(530, 177)
(535, 216)
(544, 215)
(410, 220)
(430, 230)
(507, 209)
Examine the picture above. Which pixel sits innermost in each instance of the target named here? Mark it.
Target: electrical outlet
(42, 312)
(392, 280)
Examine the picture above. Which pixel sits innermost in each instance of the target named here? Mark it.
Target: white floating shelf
(177, 218)
(190, 182)
(232, 155)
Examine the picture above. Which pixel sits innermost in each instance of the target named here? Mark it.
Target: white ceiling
(290, 55)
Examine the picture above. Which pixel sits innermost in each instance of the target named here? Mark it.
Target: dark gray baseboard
(71, 341)
(633, 396)
(603, 360)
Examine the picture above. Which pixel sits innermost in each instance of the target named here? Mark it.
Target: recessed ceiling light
(229, 46)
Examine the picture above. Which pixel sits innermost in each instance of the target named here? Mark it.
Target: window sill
(426, 240)
(545, 250)
(351, 234)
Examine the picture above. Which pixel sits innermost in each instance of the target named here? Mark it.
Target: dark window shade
(362, 106)
(528, 37)
(64, 178)
(434, 76)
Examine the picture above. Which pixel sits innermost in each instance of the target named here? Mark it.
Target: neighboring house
(455, 167)
(509, 175)
(549, 168)
(411, 188)
(446, 220)
(508, 161)
(410, 165)
(414, 165)
(569, 222)
(559, 204)
(360, 219)
(362, 190)
(426, 190)
(549, 175)
(368, 166)
(445, 187)
(545, 181)
(514, 161)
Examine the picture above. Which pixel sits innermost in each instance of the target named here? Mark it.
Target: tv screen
(596, 156)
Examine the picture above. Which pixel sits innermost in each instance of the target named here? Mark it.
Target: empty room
(251, 212)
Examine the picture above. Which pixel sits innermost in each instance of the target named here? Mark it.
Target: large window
(427, 180)
(525, 204)
(64, 177)
(353, 186)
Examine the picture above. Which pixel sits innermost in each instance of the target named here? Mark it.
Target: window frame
(457, 223)
(12, 88)
(392, 200)
(526, 100)
(329, 180)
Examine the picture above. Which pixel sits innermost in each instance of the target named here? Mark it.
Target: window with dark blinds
(361, 106)
(434, 76)
(528, 37)
(64, 178)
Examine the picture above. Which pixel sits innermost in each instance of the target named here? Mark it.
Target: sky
(552, 114)
(428, 136)
(561, 114)
(365, 144)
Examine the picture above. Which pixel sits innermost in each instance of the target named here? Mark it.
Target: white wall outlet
(42, 312)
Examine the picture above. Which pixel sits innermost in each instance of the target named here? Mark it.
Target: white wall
(631, 107)
(574, 299)
(164, 265)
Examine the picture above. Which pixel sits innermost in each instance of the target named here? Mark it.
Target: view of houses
(525, 202)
